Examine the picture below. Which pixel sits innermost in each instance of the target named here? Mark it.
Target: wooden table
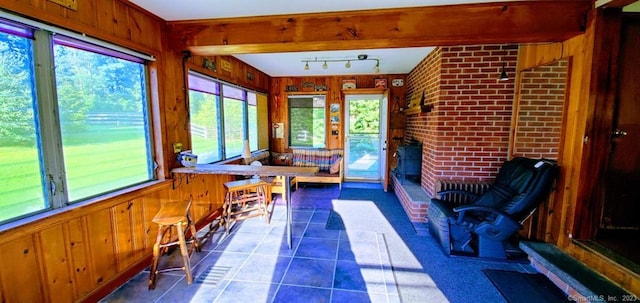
(234, 169)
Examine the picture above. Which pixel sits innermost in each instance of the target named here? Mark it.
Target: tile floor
(391, 263)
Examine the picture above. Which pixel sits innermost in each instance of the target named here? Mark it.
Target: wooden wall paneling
(106, 19)
(58, 265)
(141, 28)
(103, 255)
(21, 268)
(124, 239)
(121, 20)
(175, 108)
(79, 254)
(149, 208)
(279, 106)
(86, 18)
(86, 13)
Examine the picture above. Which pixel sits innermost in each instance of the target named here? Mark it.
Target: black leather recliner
(484, 227)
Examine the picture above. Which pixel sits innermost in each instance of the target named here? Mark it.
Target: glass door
(365, 126)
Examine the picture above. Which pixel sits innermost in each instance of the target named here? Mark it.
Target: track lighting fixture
(347, 64)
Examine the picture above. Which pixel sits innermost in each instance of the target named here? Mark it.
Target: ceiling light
(325, 64)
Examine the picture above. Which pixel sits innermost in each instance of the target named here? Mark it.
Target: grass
(98, 160)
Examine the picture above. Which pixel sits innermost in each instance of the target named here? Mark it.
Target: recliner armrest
(499, 227)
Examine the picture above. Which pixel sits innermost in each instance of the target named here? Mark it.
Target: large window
(307, 121)
(222, 117)
(69, 133)
(252, 119)
(204, 108)
(234, 109)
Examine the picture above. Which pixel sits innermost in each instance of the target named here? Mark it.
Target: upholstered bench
(329, 161)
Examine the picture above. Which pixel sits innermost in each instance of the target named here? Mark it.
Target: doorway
(619, 228)
(365, 138)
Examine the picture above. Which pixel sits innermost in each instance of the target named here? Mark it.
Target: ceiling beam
(504, 22)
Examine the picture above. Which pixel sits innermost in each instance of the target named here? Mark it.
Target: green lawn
(93, 166)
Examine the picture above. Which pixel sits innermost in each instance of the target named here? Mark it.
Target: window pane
(252, 117)
(205, 134)
(21, 186)
(307, 121)
(233, 130)
(102, 106)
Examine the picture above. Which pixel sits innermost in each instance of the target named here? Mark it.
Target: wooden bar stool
(170, 215)
(244, 199)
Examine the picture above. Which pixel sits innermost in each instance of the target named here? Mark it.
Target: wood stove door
(365, 148)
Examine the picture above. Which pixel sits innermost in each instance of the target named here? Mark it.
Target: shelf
(355, 91)
(422, 110)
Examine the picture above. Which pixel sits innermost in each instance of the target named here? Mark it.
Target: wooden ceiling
(487, 23)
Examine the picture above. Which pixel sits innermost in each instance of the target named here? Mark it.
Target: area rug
(519, 287)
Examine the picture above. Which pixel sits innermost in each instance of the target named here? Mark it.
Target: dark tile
(263, 268)
(339, 296)
(310, 272)
(277, 245)
(353, 276)
(301, 216)
(240, 291)
(320, 216)
(240, 242)
(195, 292)
(137, 289)
(279, 229)
(294, 294)
(317, 248)
(230, 261)
(315, 230)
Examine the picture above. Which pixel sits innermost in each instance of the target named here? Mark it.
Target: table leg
(287, 194)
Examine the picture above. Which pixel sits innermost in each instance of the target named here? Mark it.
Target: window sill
(75, 210)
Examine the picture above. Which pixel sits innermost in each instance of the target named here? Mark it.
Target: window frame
(324, 120)
(47, 127)
(220, 121)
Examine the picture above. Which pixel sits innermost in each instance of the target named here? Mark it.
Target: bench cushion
(322, 158)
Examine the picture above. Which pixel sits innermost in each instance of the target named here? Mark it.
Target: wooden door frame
(599, 126)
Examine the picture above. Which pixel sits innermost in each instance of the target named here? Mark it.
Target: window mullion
(49, 120)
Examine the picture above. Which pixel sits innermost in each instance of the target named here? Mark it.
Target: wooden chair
(276, 186)
(244, 199)
(174, 215)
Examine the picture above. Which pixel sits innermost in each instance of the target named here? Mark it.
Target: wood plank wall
(278, 105)
(588, 102)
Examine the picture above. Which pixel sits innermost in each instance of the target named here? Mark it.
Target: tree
(17, 123)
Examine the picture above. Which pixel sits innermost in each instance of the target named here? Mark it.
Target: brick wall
(542, 93)
(466, 135)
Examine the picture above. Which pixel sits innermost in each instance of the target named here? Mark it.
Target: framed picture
(380, 83)
(349, 84)
(334, 113)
